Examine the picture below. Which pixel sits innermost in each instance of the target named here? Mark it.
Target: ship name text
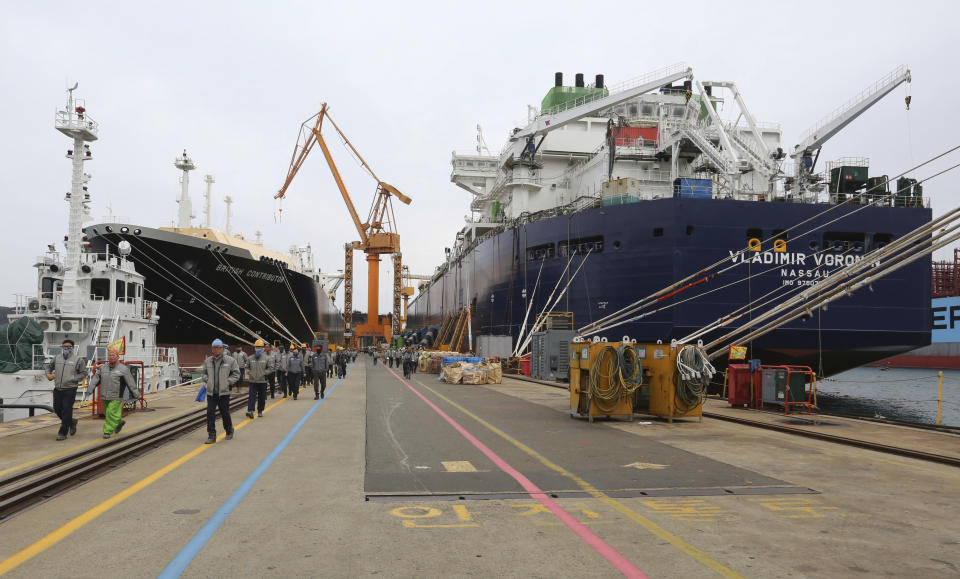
(251, 273)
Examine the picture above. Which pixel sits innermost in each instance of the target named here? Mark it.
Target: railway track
(31, 486)
(885, 448)
(895, 450)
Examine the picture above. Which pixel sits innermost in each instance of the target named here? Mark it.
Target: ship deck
(420, 479)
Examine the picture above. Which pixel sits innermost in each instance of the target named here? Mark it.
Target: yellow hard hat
(303, 344)
(293, 346)
(259, 343)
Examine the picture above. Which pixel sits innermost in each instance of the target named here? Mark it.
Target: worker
(220, 372)
(341, 362)
(407, 362)
(307, 364)
(329, 363)
(282, 370)
(258, 366)
(112, 377)
(66, 370)
(241, 357)
(319, 373)
(273, 362)
(294, 370)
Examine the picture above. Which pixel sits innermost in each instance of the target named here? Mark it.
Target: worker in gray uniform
(66, 370)
(294, 369)
(241, 357)
(282, 370)
(274, 363)
(257, 367)
(319, 373)
(220, 372)
(112, 378)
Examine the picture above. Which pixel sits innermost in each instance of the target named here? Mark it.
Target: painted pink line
(599, 545)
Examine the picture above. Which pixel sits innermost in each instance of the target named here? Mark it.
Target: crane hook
(907, 100)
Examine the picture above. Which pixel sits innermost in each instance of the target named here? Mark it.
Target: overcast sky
(408, 82)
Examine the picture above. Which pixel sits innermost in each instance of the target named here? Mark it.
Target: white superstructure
(647, 138)
(92, 299)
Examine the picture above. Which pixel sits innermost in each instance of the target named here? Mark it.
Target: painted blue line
(199, 541)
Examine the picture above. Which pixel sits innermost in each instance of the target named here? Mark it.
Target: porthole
(124, 229)
(616, 244)
(814, 245)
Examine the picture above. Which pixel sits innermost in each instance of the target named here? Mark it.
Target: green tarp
(16, 344)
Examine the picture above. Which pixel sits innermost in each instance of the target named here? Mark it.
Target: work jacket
(273, 357)
(258, 367)
(294, 364)
(67, 373)
(220, 373)
(241, 358)
(320, 361)
(111, 380)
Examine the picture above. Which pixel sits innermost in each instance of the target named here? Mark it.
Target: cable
(693, 375)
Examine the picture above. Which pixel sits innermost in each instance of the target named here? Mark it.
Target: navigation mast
(185, 214)
(74, 123)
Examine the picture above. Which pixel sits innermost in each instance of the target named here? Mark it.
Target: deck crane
(805, 154)
(377, 234)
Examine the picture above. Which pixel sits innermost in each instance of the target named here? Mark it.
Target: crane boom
(377, 233)
(310, 135)
(652, 81)
(843, 116)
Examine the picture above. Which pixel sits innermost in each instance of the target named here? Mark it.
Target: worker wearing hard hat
(241, 357)
(294, 370)
(257, 367)
(220, 372)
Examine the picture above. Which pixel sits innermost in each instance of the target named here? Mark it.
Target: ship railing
(38, 358)
(880, 200)
(70, 121)
(617, 88)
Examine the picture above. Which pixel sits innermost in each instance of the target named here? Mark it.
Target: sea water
(905, 394)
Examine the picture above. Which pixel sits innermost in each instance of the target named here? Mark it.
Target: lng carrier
(611, 194)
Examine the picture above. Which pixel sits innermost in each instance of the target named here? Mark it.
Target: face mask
(258, 351)
(67, 350)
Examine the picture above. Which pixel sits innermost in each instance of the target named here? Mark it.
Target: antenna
(229, 201)
(481, 143)
(185, 214)
(209, 180)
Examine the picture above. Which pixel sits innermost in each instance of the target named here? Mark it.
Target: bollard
(939, 396)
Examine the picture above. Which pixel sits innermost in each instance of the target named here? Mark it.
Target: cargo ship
(609, 194)
(216, 284)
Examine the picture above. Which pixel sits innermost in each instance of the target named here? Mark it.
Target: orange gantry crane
(377, 234)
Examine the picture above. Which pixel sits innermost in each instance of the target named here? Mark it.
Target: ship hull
(207, 290)
(646, 246)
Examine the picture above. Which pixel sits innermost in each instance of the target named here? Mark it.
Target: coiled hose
(614, 375)
(692, 377)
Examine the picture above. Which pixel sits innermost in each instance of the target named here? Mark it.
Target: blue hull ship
(624, 192)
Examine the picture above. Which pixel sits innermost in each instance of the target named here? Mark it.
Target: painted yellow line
(644, 522)
(75, 524)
